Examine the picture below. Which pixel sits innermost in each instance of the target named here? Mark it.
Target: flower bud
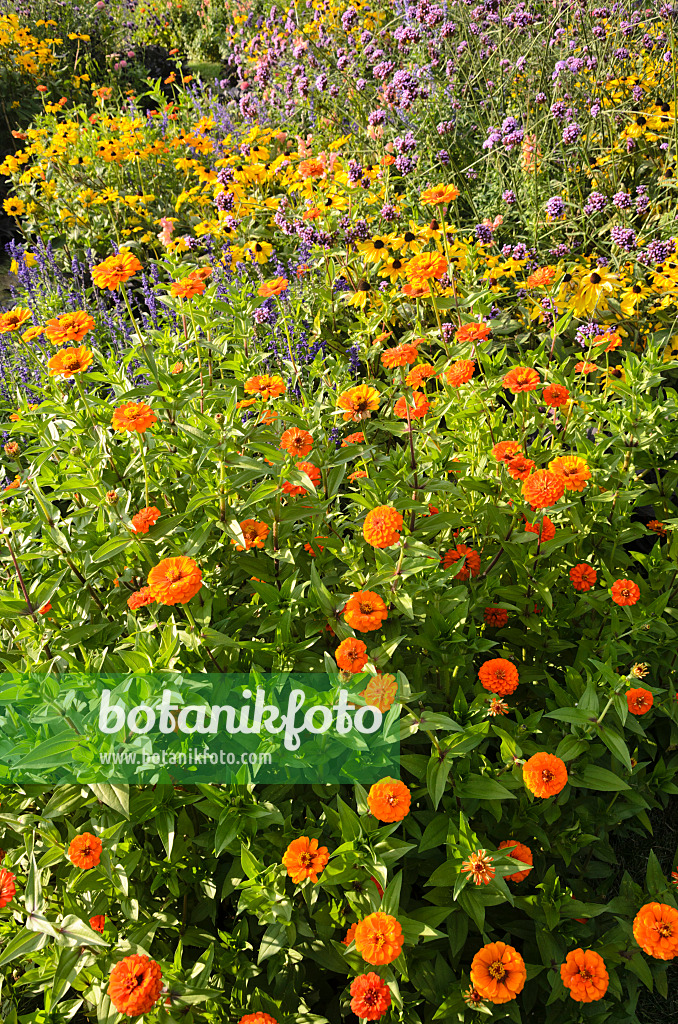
(11, 449)
(112, 498)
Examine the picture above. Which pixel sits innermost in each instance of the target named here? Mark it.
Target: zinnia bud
(112, 498)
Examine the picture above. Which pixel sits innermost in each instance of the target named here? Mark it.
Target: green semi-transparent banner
(169, 727)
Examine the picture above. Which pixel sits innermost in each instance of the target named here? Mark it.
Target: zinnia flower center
(366, 608)
(306, 859)
(173, 575)
(497, 970)
(585, 975)
(665, 930)
(547, 775)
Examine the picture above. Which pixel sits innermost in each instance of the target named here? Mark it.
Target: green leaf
(112, 547)
(616, 745)
(227, 830)
(591, 776)
(390, 901)
(116, 796)
(21, 945)
(482, 787)
(66, 972)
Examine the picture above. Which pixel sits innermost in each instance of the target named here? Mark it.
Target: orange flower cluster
(378, 938)
(70, 361)
(311, 471)
(254, 533)
(426, 265)
(583, 576)
(585, 974)
(351, 655)
(380, 692)
(7, 887)
(359, 403)
(389, 800)
(519, 852)
(365, 611)
(572, 470)
(471, 561)
(420, 408)
(174, 580)
(639, 700)
(505, 450)
(265, 386)
(495, 617)
(498, 972)
(187, 287)
(371, 997)
(135, 984)
(297, 442)
(115, 270)
(146, 518)
(460, 372)
(625, 592)
(655, 929)
(472, 332)
(275, 287)
(69, 327)
(134, 416)
(498, 676)
(382, 526)
(545, 530)
(303, 859)
(544, 775)
(439, 195)
(140, 599)
(13, 319)
(402, 355)
(542, 489)
(85, 850)
(521, 378)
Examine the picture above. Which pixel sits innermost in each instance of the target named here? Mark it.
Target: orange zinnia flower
(544, 774)
(175, 580)
(134, 416)
(472, 332)
(519, 852)
(625, 592)
(85, 850)
(521, 378)
(265, 385)
(655, 929)
(380, 692)
(357, 438)
(389, 800)
(585, 975)
(254, 532)
(439, 195)
(379, 938)
(70, 361)
(146, 518)
(351, 655)
(311, 471)
(303, 858)
(313, 168)
(365, 611)
(418, 374)
(460, 372)
(498, 676)
(583, 576)
(505, 450)
(479, 866)
(274, 287)
(555, 395)
(115, 270)
(639, 700)
(135, 984)
(140, 599)
(584, 367)
(541, 278)
(257, 1018)
(546, 529)
(359, 403)
(187, 287)
(420, 408)
(498, 972)
(543, 489)
(296, 442)
(371, 997)
(7, 887)
(69, 327)
(572, 470)
(471, 566)
(416, 289)
(519, 467)
(382, 526)
(402, 355)
(495, 617)
(350, 935)
(425, 266)
(13, 319)
(97, 922)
